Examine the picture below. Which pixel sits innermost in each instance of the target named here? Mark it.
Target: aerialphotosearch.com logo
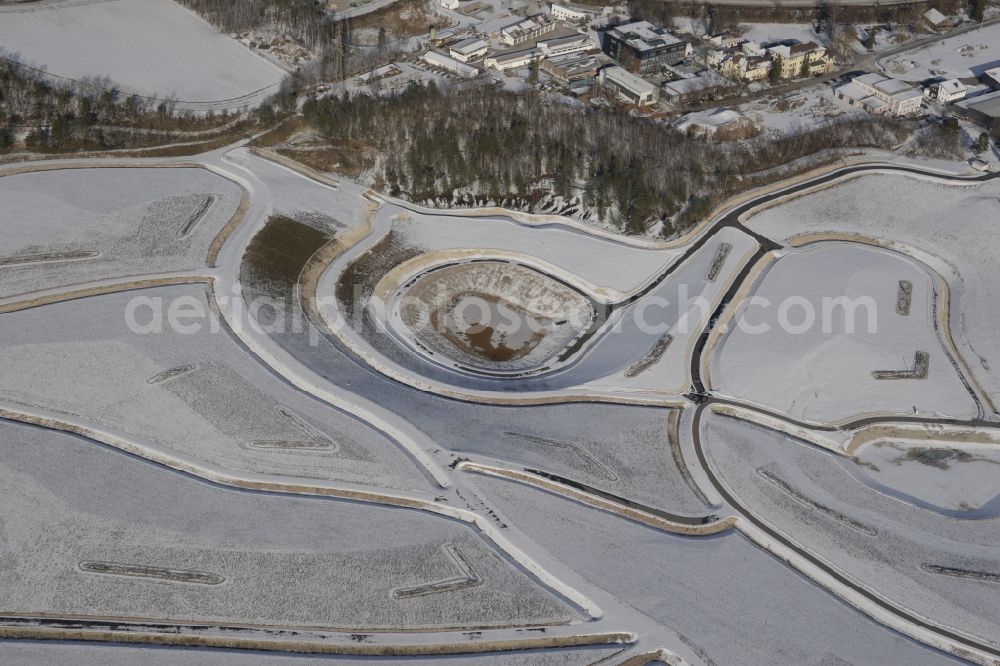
(654, 315)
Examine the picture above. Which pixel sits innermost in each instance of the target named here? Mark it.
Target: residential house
(950, 90)
(746, 68)
(935, 20)
(793, 56)
(725, 40)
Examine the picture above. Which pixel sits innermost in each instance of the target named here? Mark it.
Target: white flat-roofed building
(880, 95)
(568, 11)
(627, 86)
(513, 59)
(725, 40)
(703, 85)
(526, 29)
(449, 64)
(711, 122)
(469, 50)
(991, 77)
(983, 110)
(564, 45)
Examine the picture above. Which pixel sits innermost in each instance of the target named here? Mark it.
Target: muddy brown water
(497, 329)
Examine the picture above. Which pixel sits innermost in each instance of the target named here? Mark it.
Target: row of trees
(62, 117)
(305, 22)
(487, 145)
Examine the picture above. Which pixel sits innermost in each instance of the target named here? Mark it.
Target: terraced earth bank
(492, 316)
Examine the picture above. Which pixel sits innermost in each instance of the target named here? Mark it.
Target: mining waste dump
(492, 315)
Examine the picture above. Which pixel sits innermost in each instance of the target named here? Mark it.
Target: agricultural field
(152, 48)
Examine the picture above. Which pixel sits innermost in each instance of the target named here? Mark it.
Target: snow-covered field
(767, 33)
(198, 395)
(887, 545)
(819, 366)
(951, 478)
(154, 48)
(800, 110)
(284, 560)
(70, 226)
(251, 405)
(730, 601)
(964, 56)
(951, 228)
(613, 264)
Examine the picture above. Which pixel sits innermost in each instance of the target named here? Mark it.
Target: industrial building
(991, 77)
(701, 86)
(571, 67)
(469, 50)
(643, 48)
(449, 64)
(564, 45)
(573, 13)
(983, 110)
(526, 29)
(513, 60)
(880, 95)
(628, 87)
